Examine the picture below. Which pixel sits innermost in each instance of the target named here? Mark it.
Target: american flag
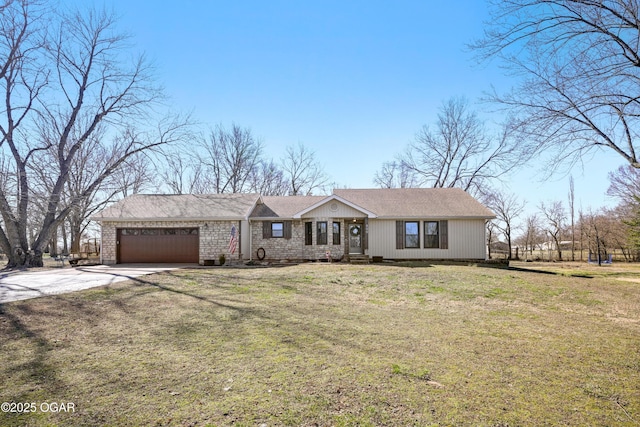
(233, 240)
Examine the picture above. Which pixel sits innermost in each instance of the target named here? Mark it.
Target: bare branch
(579, 63)
(303, 172)
(457, 152)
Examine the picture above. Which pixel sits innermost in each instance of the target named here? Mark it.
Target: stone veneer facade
(279, 248)
(213, 237)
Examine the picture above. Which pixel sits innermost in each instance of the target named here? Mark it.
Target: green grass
(331, 344)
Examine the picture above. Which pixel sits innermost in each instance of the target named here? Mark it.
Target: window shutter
(444, 234)
(399, 234)
(287, 229)
(308, 233)
(365, 234)
(266, 229)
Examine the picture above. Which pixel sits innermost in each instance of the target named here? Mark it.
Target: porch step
(359, 259)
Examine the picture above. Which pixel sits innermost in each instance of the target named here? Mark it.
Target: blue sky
(353, 80)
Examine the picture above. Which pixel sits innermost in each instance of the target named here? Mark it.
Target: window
(157, 231)
(308, 233)
(277, 229)
(431, 234)
(321, 236)
(336, 233)
(412, 234)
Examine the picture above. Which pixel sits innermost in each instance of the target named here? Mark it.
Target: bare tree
(230, 157)
(395, 174)
(580, 80)
(532, 235)
(491, 234)
(615, 228)
(268, 179)
(303, 172)
(556, 216)
(459, 152)
(182, 174)
(624, 184)
(600, 231)
(508, 209)
(132, 177)
(61, 87)
(83, 171)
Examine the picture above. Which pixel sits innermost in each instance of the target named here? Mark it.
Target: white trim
(434, 218)
(247, 214)
(250, 240)
(328, 199)
(271, 218)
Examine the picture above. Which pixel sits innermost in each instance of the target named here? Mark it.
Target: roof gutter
(170, 219)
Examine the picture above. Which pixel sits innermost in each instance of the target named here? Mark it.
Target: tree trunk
(65, 241)
(76, 235)
(21, 258)
(53, 244)
(559, 250)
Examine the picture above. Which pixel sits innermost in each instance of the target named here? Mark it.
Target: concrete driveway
(20, 285)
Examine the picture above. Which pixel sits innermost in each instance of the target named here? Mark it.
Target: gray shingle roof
(284, 206)
(180, 206)
(401, 203)
(417, 202)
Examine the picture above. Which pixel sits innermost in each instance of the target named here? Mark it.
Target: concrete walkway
(19, 285)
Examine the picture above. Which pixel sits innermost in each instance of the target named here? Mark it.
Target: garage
(158, 245)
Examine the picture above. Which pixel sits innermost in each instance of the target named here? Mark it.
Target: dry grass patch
(321, 344)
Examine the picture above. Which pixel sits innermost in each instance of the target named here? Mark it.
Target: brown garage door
(158, 245)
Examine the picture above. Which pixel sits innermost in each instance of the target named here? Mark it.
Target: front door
(355, 238)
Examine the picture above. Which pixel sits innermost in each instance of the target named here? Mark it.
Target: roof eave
(434, 217)
(369, 214)
(269, 218)
(169, 219)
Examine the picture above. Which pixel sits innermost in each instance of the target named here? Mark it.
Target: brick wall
(294, 248)
(213, 236)
(214, 239)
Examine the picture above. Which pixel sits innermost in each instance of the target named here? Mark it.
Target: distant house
(416, 223)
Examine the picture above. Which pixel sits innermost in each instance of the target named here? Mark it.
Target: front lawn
(330, 345)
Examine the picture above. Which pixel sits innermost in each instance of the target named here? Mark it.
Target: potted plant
(222, 259)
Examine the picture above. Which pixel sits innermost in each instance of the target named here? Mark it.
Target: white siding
(466, 241)
(334, 209)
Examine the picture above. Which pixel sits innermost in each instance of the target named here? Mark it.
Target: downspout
(486, 244)
(250, 240)
(102, 242)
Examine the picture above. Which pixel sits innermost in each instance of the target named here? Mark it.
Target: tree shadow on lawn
(41, 373)
(60, 306)
(279, 322)
(499, 264)
(288, 328)
(551, 273)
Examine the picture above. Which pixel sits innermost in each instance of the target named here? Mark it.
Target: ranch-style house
(377, 224)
